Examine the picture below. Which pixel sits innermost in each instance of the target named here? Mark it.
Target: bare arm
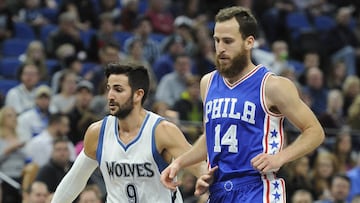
(172, 144)
(282, 95)
(195, 154)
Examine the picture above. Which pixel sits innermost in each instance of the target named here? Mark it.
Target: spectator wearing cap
(183, 27)
(35, 120)
(81, 115)
(165, 63)
(22, 96)
(143, 29)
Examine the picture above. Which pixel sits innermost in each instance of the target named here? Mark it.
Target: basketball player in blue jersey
(244, 109)
(131, 146)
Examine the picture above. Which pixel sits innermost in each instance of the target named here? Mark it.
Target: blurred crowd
(52, 85)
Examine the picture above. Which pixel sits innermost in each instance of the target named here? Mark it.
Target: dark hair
(341, 176)
(137, 74)
(247, 23)
(55, 118)
(60, 139)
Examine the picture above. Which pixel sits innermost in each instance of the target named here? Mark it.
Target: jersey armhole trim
(101, 140)
(161, 163)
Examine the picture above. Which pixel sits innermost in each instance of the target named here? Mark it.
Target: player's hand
(265, 163)
(168, 176)
(204, 181)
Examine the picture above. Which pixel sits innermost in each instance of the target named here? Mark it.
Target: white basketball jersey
(132, 171)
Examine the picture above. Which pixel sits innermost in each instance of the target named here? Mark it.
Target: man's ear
(138, 95)
(249, 42)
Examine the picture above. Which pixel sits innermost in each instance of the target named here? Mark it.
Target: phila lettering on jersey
(238, 125)
(132, 171)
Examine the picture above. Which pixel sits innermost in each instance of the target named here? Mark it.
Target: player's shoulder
(276, 82)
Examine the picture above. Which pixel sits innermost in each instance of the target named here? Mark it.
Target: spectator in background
(350, 89)
(343, 150)
(184, 27)
(354, 175)
(337, 75)
(129, 15)
(296, 174)
(333, 118)
(58, 165)
(64, 101)
(62, 52)
(190, 109)
(142, 31)
(205, 58)
(84, 12)
(325, 167)
(280, 61)
(12, 157)
(90, 194)
(112, 7)
(6, 25)
(302, 196)
(339, 189)
(341, 41)
(164, 64)
(81, 115)
(58, 127)
(35, 120)
(161, 19)
(135, 55)
(32, 15)
(353, 118)
(22, 96)
(35, 54)
(108, 53)
(37, 193)
(71, 64)
(316, 89)
(310, 59)
(104, 35)
(67, 32)
(173, 84)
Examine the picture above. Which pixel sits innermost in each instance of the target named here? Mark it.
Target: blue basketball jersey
(239, 126)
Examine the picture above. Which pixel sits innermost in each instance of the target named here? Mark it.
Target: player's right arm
(85, 164)
(196, 154)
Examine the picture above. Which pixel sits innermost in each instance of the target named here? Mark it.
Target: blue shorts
(266, 190)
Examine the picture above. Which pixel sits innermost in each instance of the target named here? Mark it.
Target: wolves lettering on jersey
(129, 170)
(226, 107)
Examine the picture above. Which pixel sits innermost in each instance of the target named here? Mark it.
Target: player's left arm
(282, 95)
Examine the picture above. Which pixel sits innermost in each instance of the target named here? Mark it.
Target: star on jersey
(274, 145)
(276, 194)
(274, 133)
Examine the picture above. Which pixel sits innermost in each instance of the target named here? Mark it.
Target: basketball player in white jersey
(131, 146)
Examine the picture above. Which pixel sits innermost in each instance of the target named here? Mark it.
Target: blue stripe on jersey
(100, 141)
(125, 147)
(157, 157)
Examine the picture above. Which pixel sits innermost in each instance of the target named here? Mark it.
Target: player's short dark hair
(247, 22)
(137, 74)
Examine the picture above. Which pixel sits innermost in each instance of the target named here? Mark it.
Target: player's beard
(238, 64)
(125, 109)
